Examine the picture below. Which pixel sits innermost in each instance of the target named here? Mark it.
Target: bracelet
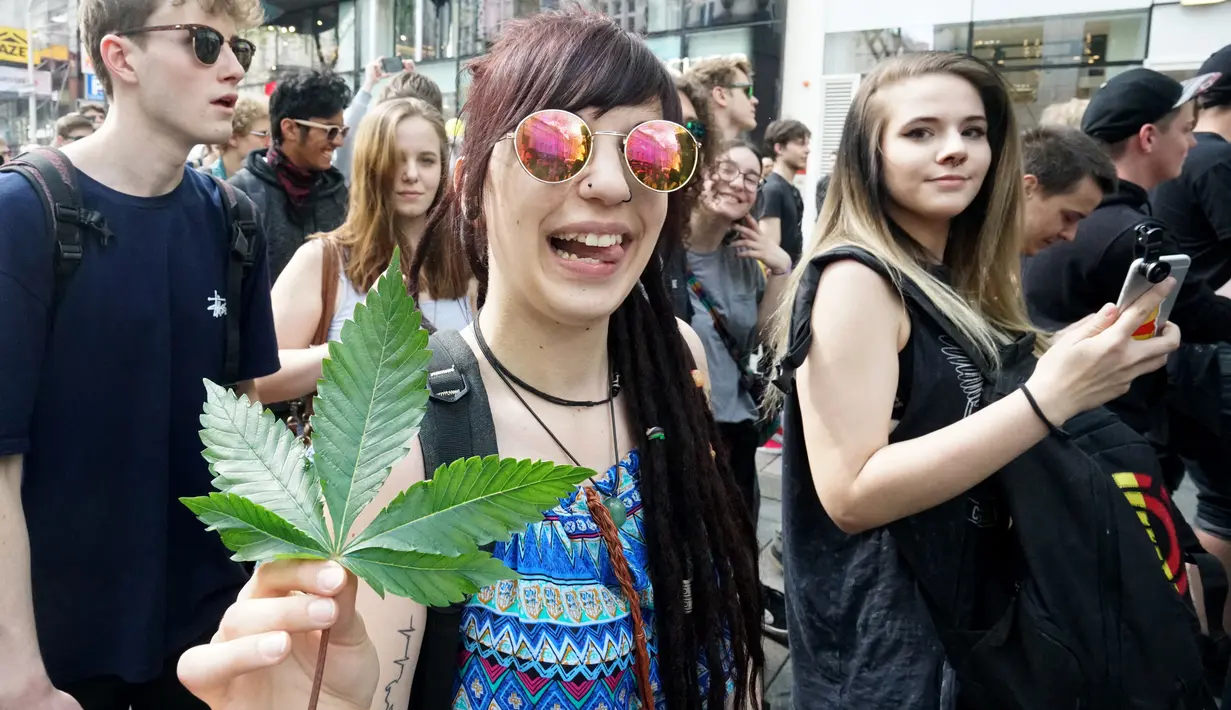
(1051, 428)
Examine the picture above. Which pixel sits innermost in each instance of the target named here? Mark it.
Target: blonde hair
(719, 71)
(248, 111)
(1067, 114)
(983, 252)
(370, 231)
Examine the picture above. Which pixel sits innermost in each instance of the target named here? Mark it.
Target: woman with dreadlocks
(568, 195)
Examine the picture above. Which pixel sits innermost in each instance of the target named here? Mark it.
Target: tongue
(609, 254)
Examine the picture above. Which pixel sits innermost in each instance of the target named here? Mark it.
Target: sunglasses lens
(244, 51)
(661, 154)
(553, 146)
(207, 43)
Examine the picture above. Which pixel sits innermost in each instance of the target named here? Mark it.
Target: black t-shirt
(780, 199)
(1068, 281)
(104, 402)
(1197, 208)
(861, 634)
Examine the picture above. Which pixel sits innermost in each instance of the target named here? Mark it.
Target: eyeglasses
(696, 128)
(332, 132)
(729, 173)
(206, 42)
(746, 86)
(555, 146)
(259, 134)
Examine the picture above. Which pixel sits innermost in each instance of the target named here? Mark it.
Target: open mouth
(226, 101)
(594, 249)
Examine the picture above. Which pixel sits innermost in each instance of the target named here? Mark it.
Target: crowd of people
(980, 436)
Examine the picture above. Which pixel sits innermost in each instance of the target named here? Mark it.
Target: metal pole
(33, 131)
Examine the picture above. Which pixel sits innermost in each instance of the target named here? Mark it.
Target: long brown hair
(370, 232)
(983, 253)
(699, 536)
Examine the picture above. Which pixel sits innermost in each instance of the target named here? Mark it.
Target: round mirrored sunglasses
(554, 146)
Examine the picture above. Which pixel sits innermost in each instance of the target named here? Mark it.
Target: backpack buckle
(68, 253)
(447, 385)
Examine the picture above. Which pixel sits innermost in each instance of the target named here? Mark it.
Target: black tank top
(861, 634)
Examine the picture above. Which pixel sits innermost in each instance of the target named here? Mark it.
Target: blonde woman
(886, 422)
(249, 132)
(399, 178)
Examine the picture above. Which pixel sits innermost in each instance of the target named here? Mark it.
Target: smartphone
(391, 65)
(1142, 276)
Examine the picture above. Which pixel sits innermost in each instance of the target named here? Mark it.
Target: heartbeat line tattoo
(401, 664)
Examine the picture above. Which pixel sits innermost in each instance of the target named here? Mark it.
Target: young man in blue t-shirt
(107, 577)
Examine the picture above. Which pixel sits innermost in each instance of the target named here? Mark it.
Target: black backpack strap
(459, 419)
(54, 180)
(458, 425)
(240, 215)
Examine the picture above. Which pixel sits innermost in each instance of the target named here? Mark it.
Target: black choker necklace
(613, 504)
(507, 374)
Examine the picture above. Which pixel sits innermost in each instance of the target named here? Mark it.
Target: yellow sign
(13, 46)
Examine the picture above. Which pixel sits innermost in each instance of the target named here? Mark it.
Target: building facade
(1050, 50)
(47, 28)
(442, 34)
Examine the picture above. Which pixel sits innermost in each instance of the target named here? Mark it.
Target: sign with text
(13, 46)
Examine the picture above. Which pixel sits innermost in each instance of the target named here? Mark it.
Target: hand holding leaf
(425, 544)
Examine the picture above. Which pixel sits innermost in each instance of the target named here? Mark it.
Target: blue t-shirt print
(103, 399)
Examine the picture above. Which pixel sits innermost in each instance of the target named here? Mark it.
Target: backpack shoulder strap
(801, 311)
(459, 419)
(331, 258)
(239, 214)
(54, 180)
(458, 425)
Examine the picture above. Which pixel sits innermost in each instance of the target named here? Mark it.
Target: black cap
(1219, 93)
(1136, 98)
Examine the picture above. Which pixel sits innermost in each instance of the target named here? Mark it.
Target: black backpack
(54, 180)
(458, 425)
(1091, 623)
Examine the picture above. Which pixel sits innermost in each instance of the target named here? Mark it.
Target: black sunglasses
(747, 87)
(206, 42)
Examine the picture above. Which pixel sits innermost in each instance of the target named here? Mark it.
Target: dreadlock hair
(706, 589)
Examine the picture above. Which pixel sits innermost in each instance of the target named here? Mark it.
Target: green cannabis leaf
(426, 543)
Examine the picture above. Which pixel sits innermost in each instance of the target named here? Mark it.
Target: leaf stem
(320, 670)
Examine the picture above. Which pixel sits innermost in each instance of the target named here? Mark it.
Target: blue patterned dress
(561, 636)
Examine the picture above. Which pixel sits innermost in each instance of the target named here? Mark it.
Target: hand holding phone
(1142, 276)
(391, 65)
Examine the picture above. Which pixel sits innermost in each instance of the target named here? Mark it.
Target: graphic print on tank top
(968, 374)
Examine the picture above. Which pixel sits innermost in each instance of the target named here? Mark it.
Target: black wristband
(1051, 428)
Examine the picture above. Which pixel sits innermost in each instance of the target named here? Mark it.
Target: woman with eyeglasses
(567, 196)
(249, 132)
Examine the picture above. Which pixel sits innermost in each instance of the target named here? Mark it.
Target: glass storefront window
(667, 48)
(404, 28)
(323, 37)
(642, 16)
(708, 13)
(445, 75)
(438, 20)
(1063, 39)
(719, 43)
(1035, 89)
(857, 52)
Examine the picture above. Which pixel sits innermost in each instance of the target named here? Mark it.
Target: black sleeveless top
(861, 634)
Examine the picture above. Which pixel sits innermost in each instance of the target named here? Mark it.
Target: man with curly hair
(107, 577)
(296, 188)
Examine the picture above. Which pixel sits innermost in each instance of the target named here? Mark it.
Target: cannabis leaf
(253, 532)
(468, 502)
(254, 455)
(425, 544)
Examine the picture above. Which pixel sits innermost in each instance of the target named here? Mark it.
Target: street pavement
(778, 657)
